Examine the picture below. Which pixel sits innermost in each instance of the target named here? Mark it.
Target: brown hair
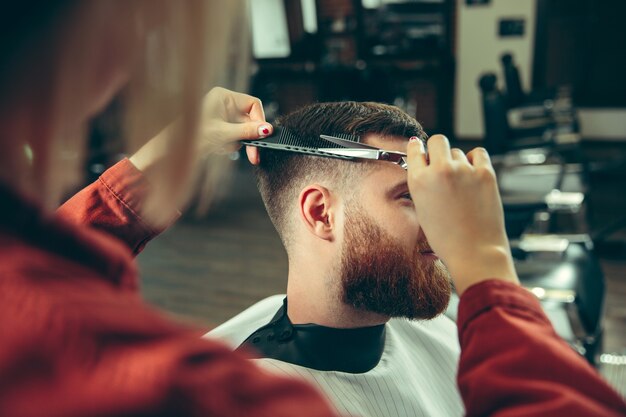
(280, 175)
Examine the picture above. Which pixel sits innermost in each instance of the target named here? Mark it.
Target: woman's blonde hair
(186, 48)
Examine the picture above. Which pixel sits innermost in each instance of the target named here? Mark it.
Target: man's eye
(407, 196)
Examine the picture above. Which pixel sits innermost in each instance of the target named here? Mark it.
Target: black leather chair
(543, 192)
(500, 137)
(564, 273)
(515, 94)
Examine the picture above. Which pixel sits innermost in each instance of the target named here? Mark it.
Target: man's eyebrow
(398, 188)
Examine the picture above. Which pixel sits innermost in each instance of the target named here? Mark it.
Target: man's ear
(317, 212)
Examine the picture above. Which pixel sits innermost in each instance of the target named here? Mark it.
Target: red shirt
(77, 340)
(514, 364)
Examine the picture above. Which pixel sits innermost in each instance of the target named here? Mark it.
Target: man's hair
(281, 174)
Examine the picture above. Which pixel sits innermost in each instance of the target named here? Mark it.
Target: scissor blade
(346, 143)
(352, 152)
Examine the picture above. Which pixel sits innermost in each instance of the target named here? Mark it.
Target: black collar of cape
(317, 347)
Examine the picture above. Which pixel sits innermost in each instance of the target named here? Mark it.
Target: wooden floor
(208, 270)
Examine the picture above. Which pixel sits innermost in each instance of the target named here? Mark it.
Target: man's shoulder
(235, 330)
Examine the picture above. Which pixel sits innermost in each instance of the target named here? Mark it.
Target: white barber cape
(415, 376)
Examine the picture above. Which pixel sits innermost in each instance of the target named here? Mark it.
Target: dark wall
(583, 43)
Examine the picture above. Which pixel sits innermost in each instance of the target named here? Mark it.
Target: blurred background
(540, 83)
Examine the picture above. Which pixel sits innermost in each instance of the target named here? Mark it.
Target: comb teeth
(347, 136)
(286, 140)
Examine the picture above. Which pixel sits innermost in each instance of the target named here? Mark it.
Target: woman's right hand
(459, 209)
(227, 117)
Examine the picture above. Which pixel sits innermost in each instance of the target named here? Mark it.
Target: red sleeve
(78, 346)
(112, 203)
(514, 364)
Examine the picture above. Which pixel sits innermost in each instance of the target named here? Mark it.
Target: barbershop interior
(539, 84)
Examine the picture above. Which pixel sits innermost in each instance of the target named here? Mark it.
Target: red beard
(378, 275)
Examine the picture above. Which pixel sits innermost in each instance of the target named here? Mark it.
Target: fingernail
(413, 138)
(264, 130)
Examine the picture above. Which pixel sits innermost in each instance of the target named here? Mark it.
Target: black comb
(284, 139)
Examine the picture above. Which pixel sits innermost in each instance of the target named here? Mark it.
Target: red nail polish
(266, 131)
(413, 138)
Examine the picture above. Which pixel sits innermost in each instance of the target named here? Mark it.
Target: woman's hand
(459, 208)
(227, 117)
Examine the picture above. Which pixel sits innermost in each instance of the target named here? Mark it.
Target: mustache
(422, 244)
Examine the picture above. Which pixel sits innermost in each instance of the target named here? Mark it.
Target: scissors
(362, 151)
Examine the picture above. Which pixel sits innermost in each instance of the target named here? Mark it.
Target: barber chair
(543, 199)
(535, 153)
(546, 221)
(553, 106)
(565, 275)
(499, 136)
(543, 183)
(554, 258)
(550, 127)
(525, 130)
(515, 94)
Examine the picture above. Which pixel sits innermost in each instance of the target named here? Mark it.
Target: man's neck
(314, 295)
